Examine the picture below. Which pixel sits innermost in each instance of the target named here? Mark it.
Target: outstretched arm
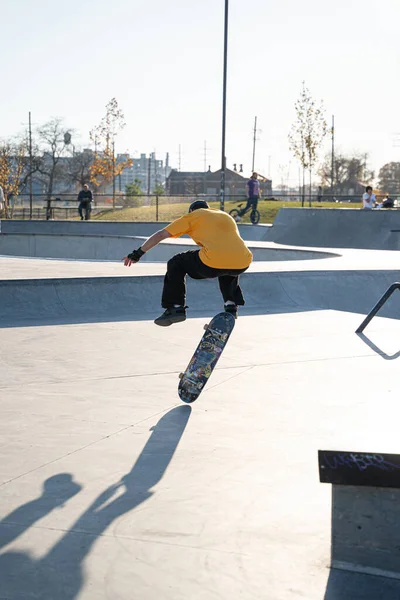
(152, 241)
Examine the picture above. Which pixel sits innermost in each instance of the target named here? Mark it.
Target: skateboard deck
(206, 356)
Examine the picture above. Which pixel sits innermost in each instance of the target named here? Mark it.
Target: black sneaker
(232, 309)
(171, 315)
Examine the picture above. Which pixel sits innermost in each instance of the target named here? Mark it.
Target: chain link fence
(157, 207)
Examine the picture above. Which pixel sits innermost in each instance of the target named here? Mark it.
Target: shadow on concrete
(59, 574)
(376, 348)
(94, 317)
(344, 585)
(57, 490)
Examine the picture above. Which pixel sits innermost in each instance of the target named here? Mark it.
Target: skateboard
(206, 356)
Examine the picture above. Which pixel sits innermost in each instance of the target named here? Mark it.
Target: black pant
(84, 207)
(189, 263)
(251, 203)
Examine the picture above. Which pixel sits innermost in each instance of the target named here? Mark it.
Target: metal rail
(378, 306)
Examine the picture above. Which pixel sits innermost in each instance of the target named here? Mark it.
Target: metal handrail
(378, 306)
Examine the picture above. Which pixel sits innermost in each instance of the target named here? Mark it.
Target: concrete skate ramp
(130, 298)
(119, 228)
(115, 247)
(337, 228)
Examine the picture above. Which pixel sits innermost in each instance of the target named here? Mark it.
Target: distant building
(150, 171)
(184, 183)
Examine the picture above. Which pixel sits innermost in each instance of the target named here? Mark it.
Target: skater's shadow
(59, 574)
(57, 490)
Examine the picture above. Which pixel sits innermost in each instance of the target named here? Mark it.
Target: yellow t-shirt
(217, 235)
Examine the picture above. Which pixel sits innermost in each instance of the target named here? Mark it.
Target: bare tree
(54, 144)
(78, 169)
(307, 133)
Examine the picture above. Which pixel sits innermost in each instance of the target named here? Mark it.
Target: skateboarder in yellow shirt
(222, 254)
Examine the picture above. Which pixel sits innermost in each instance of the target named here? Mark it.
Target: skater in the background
(85, 198)
(253, 194)
(222, 254)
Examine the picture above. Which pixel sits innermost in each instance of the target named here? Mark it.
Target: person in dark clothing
(388, 202)
(223, 255)
(253, 194)
(85, 198)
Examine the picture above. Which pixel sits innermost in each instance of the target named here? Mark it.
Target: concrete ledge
(131, 297)
(337, 228)
(114, 247)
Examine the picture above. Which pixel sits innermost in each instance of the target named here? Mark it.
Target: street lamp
(223, 160)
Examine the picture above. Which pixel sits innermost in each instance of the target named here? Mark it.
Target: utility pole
(333, 156)
(30, 168)
(113, 171)
(254, 142)
(205, 167)
(148, 175)
(223, 158)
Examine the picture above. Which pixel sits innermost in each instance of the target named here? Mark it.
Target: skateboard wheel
(206, 326)
(180, 375)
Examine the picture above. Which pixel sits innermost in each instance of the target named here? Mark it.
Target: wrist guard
(136, 255)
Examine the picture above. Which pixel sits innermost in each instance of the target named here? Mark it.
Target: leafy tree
(134, 189)
(159, 189)
(348, 172)
(389, 178)
(105, 167)
(12, 164)
(308, 132)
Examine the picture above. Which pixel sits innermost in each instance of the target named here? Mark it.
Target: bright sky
(162, 60)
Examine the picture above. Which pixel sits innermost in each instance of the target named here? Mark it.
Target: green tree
(389, 178)
(348, 172)
(133, 194)
(159, 189)
(308, 132)
(134, 189)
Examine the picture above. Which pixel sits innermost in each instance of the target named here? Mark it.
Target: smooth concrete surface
(337, 228)
(113, 247)
(110, 488)
(344, 260)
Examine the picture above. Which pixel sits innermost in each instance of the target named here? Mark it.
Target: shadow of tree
(59, 574)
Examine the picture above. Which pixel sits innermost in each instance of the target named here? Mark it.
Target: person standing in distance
(85, 198)
(253, 194)
(368, 198)
(222, 254)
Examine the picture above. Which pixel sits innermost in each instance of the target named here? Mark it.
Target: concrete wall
(114, 247)
(337, 228)
(135, 297)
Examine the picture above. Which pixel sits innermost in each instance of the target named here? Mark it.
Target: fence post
(157, 208)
